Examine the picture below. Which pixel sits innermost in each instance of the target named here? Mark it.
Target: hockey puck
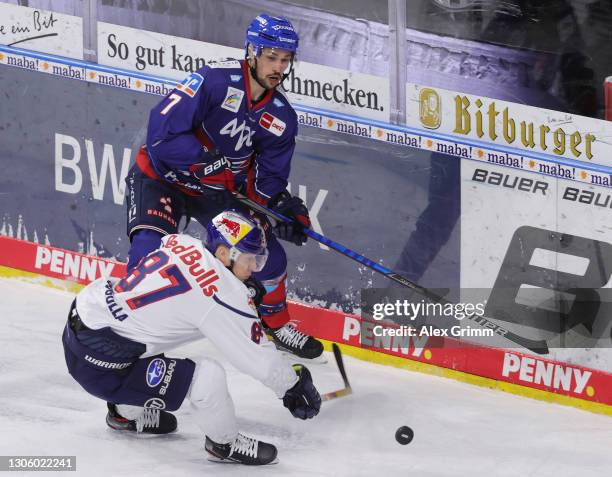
(404, 435)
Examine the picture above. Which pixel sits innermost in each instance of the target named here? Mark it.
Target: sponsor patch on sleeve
(233, 99)
(191, 84)
(272, 124)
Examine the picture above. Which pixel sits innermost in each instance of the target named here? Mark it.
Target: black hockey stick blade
(340, 363)
(347, 387)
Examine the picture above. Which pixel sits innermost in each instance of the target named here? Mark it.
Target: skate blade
(297, 359)
(218, 460)
(139, 435)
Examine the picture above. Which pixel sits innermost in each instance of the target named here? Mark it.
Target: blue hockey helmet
(240, 234)
(266, 31)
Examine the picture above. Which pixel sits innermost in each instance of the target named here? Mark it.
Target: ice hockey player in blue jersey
(225, 128)
(118, 332)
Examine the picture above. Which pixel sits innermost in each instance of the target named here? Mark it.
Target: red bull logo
(232, 227)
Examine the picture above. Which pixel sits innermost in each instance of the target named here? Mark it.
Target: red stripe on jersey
(251, 192)
(144, 163)
(204, 139)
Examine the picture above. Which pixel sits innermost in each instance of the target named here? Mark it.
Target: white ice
(460, 430)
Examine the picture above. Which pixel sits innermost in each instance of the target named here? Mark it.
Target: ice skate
(150, 421)
(290, 340)
(243, 450)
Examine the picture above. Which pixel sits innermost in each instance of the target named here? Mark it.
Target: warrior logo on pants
(155, 403)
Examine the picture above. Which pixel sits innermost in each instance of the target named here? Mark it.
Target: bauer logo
(272, 124)
(233, 99)
(155, 372)
(430, 108)
(191, 84)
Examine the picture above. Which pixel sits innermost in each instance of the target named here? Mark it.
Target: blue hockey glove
(293, 208)
(303, 399)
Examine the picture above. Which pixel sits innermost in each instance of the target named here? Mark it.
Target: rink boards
(87, 121)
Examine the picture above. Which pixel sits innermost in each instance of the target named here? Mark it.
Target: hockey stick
(537, 346)
(347, 387)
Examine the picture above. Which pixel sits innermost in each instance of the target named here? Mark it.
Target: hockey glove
(256, 290)
(303, 399)
(214, 172)
(293, 208)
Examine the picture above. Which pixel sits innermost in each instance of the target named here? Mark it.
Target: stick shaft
(538, 346)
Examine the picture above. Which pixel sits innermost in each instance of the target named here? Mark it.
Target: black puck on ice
(404, 435)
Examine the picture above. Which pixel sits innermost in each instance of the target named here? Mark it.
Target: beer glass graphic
(430, 108)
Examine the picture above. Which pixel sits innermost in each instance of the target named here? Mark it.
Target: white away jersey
(181, 293)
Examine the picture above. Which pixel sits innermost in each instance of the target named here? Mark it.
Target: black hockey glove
(214, 171)
(292, 208)
(303, 399)
(256, 290)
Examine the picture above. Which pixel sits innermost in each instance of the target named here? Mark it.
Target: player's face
(244, 266)
(271, 65)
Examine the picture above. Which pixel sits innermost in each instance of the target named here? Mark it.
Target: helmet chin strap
(286, 75)
(253, 70)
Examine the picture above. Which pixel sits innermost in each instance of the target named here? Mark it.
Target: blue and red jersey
(213, 109)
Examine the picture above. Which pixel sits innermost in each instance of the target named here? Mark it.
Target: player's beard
(266, 83)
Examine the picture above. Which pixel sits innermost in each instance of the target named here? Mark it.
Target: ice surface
(460, 430)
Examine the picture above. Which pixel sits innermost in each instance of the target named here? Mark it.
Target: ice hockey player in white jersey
(118, 330)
